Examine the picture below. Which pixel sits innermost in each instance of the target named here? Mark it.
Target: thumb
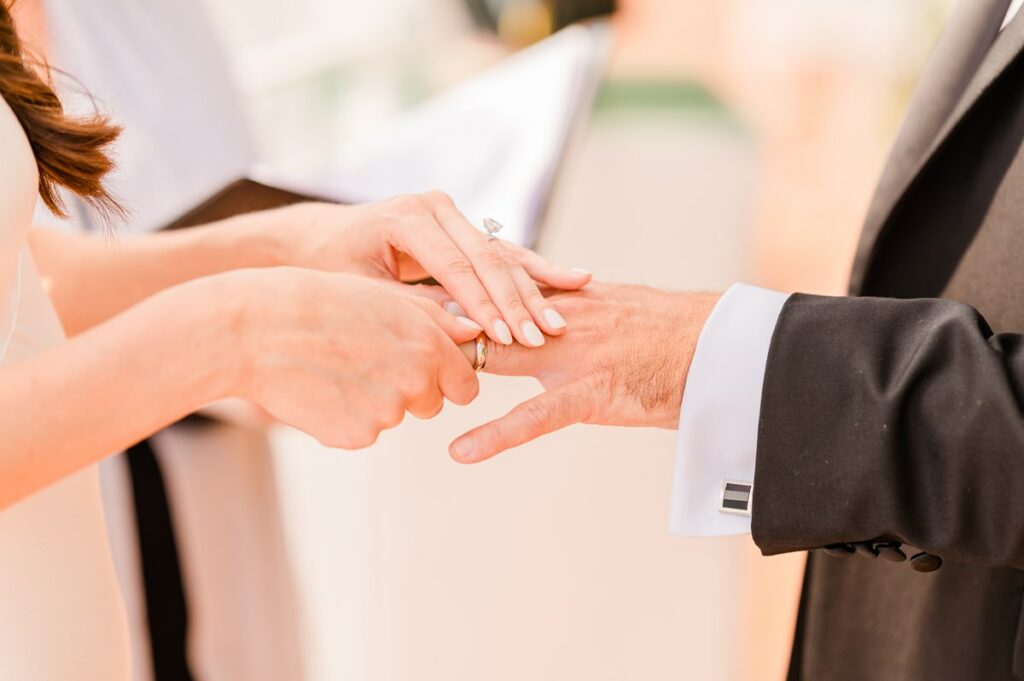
(546, 413)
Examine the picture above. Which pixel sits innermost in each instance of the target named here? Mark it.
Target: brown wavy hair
(70, 152)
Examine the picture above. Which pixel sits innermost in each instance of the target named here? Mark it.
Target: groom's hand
(623, 361)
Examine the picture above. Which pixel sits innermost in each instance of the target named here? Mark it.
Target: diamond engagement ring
(492, 227)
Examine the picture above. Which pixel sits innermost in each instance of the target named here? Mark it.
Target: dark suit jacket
(898, 414)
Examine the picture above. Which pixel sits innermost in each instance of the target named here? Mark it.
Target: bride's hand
(414, 237)
(340, 356)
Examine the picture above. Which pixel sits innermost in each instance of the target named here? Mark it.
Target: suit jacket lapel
(966, 60)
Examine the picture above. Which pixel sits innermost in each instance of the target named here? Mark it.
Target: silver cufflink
(737, 497)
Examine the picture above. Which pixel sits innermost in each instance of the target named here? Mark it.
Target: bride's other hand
(414, 237)
(340, 356)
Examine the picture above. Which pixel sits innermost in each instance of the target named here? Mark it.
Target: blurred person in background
(521, 22)
(881, 431)
(164, 324)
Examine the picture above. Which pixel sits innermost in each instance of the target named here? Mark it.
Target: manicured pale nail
(454, 308)
(503, 333)
(463, 448)
(580, 270)
(466, 321)
(554, 320)
(533, 334)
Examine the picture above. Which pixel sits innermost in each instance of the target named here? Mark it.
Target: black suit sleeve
(891, 419)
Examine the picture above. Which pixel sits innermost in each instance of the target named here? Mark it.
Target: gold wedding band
(481, 353)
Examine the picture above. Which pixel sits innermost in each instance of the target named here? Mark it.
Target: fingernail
(454, 308)
(466, 321)
(463, 448)
(533, 334)
(503, 333)
(554, 320)
(580, 270)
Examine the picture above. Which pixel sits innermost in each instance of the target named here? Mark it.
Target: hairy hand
(623, 362)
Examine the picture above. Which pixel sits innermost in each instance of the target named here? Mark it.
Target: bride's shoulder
(19, 176)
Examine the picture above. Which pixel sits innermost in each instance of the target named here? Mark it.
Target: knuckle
(512, 302)
(439, 198)
(483, 302)
(339, 439)
(364, 437)
(392, 418)
(455, 263)
(424, 352)
(415, 385)
(465, 391)
(492, 258)
(401, 225)
(407, 204)
(432, 410)
(533, 415)
(533, 296)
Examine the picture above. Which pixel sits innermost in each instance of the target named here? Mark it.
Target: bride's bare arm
(108, 388)
(338, 356)
(92, 278)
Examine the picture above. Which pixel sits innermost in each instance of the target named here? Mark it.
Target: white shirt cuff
(720, 412)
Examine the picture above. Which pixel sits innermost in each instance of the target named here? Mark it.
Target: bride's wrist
(252, 240)
(210, 315)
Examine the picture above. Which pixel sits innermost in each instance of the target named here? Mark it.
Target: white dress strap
(9, 315)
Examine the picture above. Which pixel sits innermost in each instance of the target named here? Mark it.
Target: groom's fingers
(543, 414)
(513, 360)
(504, 360)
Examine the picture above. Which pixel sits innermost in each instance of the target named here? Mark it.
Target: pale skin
(299, 310)
(624, 362)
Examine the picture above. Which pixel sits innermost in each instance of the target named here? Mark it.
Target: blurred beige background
(735, 139)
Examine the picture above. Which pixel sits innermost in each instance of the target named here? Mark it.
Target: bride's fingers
(459, 329)
(546, 413)
(547, 273)
(441, 257)
(494, 268)
(469, 351)
(549, 319)
(455, 376)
